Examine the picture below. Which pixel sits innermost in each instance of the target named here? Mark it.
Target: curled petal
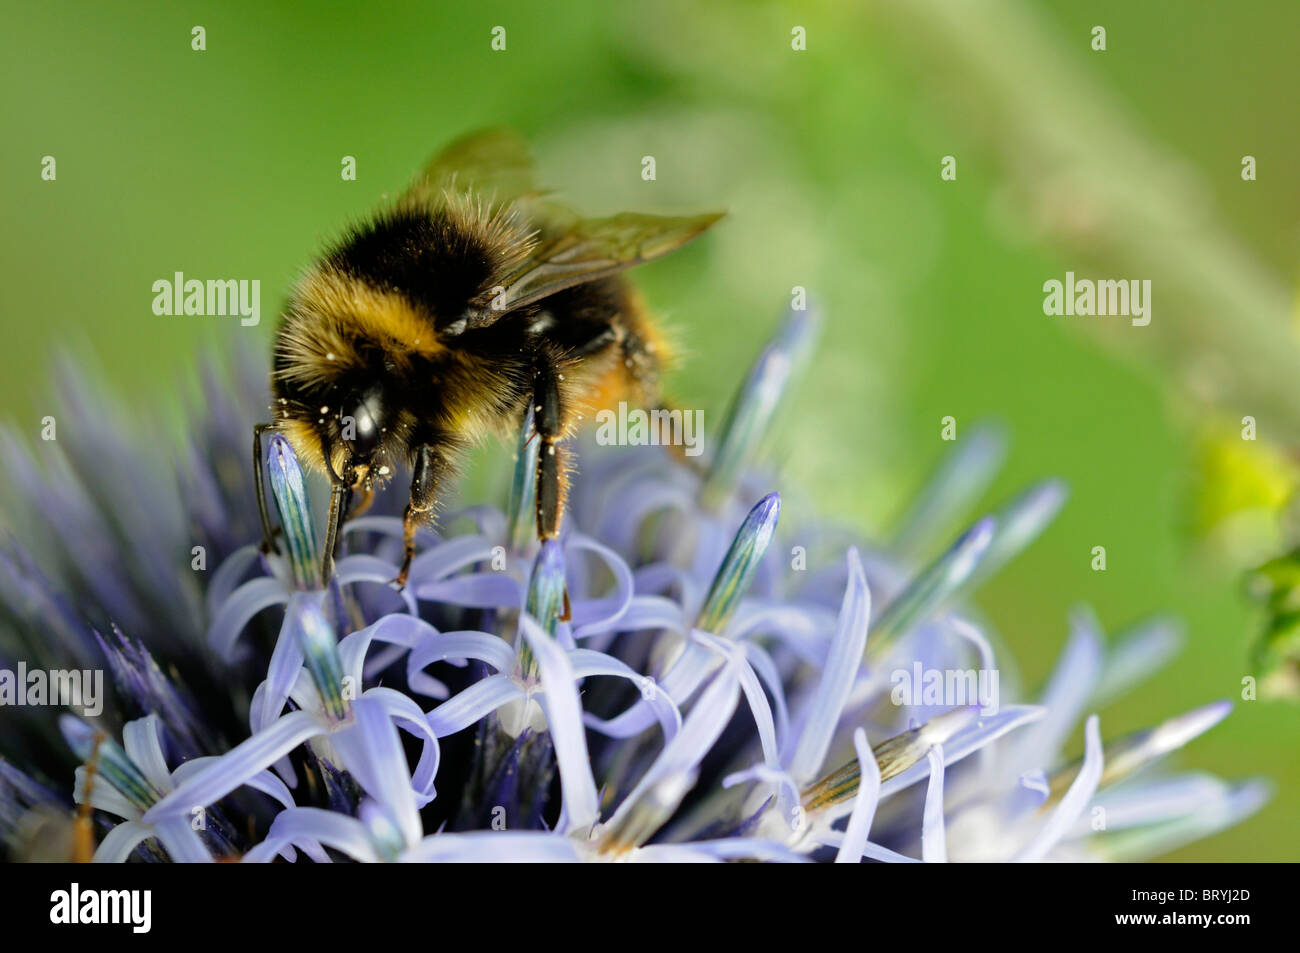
(263, 781)
(365, 568)
(310, 827)
(118, 845)
(593, 616)
(934, 847)
(226, 578)
(478, 700)
(493, 650)
(479, 590)
(586, 663)
(237, 765)
(236, 612)
(407, 715)
(449, 557)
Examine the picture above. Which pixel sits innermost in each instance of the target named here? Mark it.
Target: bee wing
(493, 163)
(585, 250)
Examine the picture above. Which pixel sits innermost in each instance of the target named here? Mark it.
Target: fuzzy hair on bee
(448, 316)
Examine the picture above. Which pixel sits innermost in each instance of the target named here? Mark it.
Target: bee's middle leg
(552, 472)
(552, 457)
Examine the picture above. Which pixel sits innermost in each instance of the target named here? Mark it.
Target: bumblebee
(449, 316)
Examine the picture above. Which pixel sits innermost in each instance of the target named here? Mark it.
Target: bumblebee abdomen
(621, 349)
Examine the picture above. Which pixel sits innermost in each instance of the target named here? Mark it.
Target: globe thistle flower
(664, 682)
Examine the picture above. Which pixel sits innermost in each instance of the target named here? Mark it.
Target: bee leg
(367, 496)
(259, 482)
(429, 465)
(338, 511)
(552, 476)
(552, 459)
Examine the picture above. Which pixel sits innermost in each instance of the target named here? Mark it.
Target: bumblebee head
(363, 422)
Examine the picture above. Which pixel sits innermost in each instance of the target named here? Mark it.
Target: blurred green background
(226, 163)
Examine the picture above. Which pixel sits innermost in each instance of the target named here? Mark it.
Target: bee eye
(363, 422)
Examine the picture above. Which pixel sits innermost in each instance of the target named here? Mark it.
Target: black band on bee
(440, 258)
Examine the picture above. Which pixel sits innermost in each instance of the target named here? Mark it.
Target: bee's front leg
(333, 529)
(430, 464)
(259, 482)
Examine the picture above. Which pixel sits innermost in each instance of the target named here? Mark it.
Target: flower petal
(362, 567)
(586, 663)
(406, 714)
(181, 841)
(559, 699)
(143, 746)
(370, 749)
(478, 847)
(492, 649)
(864, 803)
(237, 765)
(120, 843)
(837, 676)
(591, 615)
(467, 707)
(934, 848)
(478, 590)
(1072, 683)
(309, 827)
(1075, 801)
(236, 612)
(263, 781)
(681, 756)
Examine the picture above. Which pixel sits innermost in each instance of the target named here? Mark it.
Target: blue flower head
(662, 682)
